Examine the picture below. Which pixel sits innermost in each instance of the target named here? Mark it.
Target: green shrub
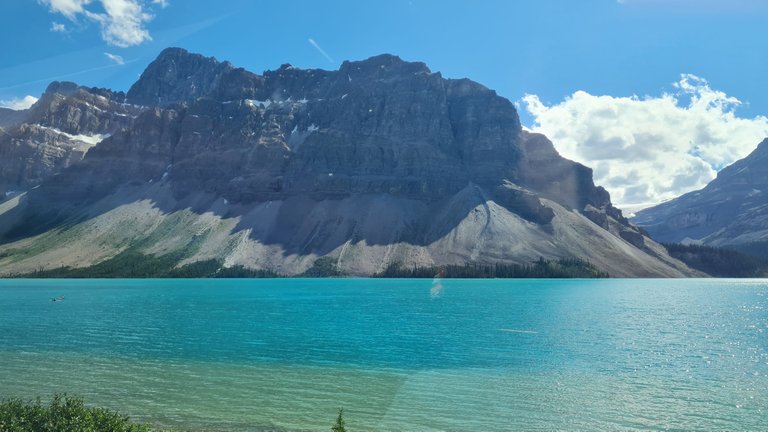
(339, 425)
(323, 267)
(562, 268)
(63, 414)
(719, 262)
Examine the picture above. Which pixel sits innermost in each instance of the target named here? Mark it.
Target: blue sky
(547, 48)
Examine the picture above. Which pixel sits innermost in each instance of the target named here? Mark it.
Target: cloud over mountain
(646, 150)
(18, 103)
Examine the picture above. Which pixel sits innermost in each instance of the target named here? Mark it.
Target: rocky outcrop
(380, 161)
(9, 117)
(56, 132)
(731, 210)
(377, 126)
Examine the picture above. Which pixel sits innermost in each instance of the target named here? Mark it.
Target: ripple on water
(483, 355)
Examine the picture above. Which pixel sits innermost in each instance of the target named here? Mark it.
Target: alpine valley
(381, 163)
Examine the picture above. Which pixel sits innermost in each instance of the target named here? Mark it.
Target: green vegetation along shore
(62, 414)
(71, 414)
(132, 264)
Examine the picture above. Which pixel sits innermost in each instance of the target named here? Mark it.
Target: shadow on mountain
(299, 225)
(381, 152)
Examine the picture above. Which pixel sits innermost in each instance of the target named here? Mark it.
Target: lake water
(398, 355)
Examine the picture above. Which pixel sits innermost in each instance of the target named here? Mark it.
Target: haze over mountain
(731, 211)
(379, 162)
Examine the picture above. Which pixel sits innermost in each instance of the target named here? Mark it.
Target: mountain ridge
(731, 211)
(380, 161)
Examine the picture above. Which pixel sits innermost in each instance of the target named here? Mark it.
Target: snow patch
(88, 139)
(257, 103)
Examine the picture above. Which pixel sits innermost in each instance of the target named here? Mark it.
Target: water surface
(398, 355)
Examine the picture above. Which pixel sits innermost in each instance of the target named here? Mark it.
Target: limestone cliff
(380, 161)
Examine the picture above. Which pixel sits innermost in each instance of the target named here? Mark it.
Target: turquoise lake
(398, 355)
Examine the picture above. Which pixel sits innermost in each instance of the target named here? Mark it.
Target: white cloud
(58, 27)
(18, 103)
(115, 58)
(123, 22)
(69, 8)
(647, 150)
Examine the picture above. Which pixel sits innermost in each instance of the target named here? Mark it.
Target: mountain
(731, 211)
(56, 132)
(378, 163)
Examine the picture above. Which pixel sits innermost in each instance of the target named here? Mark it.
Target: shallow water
(410, 355)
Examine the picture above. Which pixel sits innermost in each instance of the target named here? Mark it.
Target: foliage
(323, 267)
(562, 268)
(132, 264)
(215, 269)
(756, 249)
(719, 262)
(339, 425)
(127, 264)
(138, 265)
(63, 414)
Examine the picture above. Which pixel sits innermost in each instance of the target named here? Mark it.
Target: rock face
(56, 132)
(380, 161)
(9, 117)
(731, 210)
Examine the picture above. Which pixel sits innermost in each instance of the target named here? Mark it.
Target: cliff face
(377, 162)
(56, 132)
(731, 210)
(377, 126)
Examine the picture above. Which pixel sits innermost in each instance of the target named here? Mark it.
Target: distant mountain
(9, 117)
(379, 163)
(56, 132)
(731, 211)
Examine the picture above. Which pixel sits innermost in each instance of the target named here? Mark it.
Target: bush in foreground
(339, 425)
(63, 414)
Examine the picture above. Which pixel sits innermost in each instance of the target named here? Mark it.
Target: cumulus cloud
(647, 150)
(18, 103)
(69, 8)
(122, 22)
(115, 58)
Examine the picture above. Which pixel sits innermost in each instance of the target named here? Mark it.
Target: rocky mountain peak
(379, 156)
(381, 66)
(763, 146)
(176, 75)
(731, 210)
(64, 88)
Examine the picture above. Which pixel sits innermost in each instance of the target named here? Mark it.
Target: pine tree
(339, 426)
